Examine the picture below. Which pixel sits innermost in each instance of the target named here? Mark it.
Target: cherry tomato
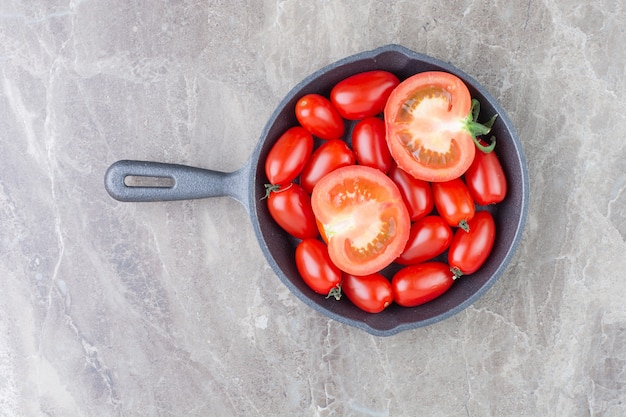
(469, 251)
(485, 179)
(363, 216)
(430, 126)
(332, 154)
(317, 115)
(417, 194)
(369, 144)
(418, 284)
(290, 207)
(454, 202)
(363, 95)
(430, 236)
(371, 293)
(288, 156)
(316, 268)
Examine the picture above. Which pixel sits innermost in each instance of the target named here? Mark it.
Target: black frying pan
(247, 186)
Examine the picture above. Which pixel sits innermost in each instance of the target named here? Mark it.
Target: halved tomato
(363, 218)
(430, 126)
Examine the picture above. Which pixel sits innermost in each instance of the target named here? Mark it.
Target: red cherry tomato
(430, 126)
(371, 293)
(363, 217)
(369, 144)
(485, 179)
(416, 193)
(454, 202)
(317, 115)
(288, 156)
(316, 268)
(430, 236)
(469, 251)
(332, 154)
(290, 207)
(418, 284)
(363, 95)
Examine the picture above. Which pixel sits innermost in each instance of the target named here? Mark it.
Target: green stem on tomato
(335, 292)
(475, 129)
(464, 225)
(457, 272)
(270, 188)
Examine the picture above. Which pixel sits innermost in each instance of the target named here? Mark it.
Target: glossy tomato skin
(363, 217)
(427, 118)
(469, 251)
(290, 207)
(417, 194)
(363, 95)
(371, 293)
(430, 237)
(316, 268)
(317, 115)
(485, 179)
(418, 284)
(331, 154)
(454, 202)
(369, 144)
(288, 156)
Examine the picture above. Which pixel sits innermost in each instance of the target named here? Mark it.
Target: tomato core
(363, 218)
(427, 119)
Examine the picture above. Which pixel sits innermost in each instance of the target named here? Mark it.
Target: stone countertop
(170, 309)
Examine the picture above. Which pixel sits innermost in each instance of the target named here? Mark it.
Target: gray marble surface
(170, 309)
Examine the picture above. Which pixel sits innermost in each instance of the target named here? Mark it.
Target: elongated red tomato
(454, 202)
(331, 154)
(418, 284)
(316, 268)
(363, 217)
(430, 237)
(469, 251)
(290, 207)
(485, 179)
(363, 95)
(430, 126)
(417, 194)
(369, 144)
(371, 293)
(317, 115)
(288, 156)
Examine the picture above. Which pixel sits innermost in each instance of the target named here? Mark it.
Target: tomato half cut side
(430, 126)
(363, 216)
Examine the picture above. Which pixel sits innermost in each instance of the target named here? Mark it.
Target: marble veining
(170, 309)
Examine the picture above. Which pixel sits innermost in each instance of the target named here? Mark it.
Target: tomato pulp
(430, 126)
(363, 218)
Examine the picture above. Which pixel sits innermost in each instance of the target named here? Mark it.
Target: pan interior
(279, 248)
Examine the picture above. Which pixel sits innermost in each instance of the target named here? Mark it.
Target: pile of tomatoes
(387, 172)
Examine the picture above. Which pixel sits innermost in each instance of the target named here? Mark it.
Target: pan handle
(142, 181)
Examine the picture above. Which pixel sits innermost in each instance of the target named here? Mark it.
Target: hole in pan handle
(142, 181)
